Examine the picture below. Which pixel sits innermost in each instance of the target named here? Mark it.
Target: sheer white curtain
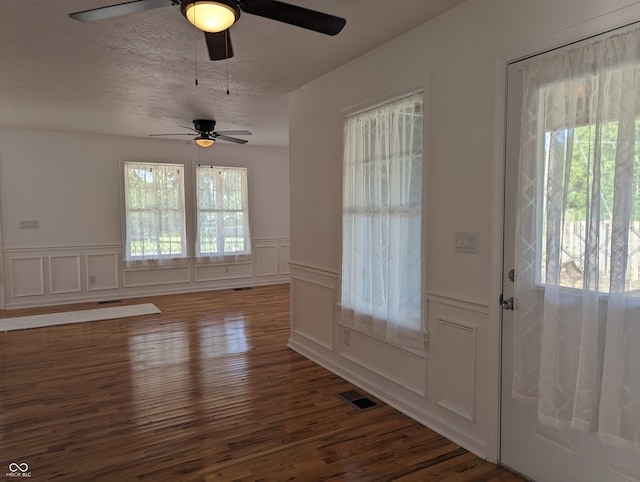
(577, 326)
(382, 221)
(155, 227)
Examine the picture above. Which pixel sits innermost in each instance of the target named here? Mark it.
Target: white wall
(453, 386)
(70, 184)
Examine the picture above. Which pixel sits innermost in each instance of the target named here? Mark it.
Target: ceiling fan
(205, 134)
(215, 17)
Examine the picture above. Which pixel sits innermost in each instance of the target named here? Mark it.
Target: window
(588, 175)
(222, 213)
(154, 213)
(382, 221)
(582, 194)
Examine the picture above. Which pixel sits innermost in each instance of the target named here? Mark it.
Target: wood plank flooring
(205, 391)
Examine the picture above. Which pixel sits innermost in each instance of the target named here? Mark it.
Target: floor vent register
(358, 400)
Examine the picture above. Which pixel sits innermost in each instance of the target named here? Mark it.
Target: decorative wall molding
(51, 275)
(361, 344)
(222, 271)
(441, 382)
(421, 391)
(415, 407)
(459, 302)
(26, 276)
(271, 256)
(458, 367)
(275, 240)
(74, 248)
(409, 351)
(314, 269)
(266, 260)
(165, 275)
(312, 309)
(102, 271)
(64, 274)
(313, 339)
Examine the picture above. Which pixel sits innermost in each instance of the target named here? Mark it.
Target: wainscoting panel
(216, 272)
(157, 276)
(457, 350)
(266, 260)
(271, 257)
(312, 311)
(102, 271)
(27, 276)
(54, 275)
(405, 368)
(64, 274)
(442, 386)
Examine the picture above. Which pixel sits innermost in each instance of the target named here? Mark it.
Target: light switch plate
(467, 242)
(29, 224)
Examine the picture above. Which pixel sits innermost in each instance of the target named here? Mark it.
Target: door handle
(509, 304)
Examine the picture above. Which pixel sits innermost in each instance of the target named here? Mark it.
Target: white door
(528, 447)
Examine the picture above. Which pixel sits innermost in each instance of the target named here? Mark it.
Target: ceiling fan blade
(219, 45)
(294, 15)
(234, 133)
(157, 135)
(111, 11)
(231, 139)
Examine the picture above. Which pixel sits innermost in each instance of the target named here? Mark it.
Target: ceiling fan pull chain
(226, 46)
(195, 50)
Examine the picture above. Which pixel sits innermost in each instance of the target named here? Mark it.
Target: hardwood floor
(207, 390)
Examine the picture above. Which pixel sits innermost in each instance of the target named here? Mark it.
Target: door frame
(2, 271)
(595, 26)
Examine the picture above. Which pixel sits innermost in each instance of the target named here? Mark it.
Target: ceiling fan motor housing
(204, 125)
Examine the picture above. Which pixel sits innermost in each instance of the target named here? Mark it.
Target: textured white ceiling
(135, 75)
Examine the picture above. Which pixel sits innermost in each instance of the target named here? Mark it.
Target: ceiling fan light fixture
(211, 16)
(204, 140)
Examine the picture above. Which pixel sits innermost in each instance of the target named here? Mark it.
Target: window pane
(586, 156)
(208, 232)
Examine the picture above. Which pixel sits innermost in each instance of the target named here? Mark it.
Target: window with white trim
(155, 227)
(382, 221)
(222, 213)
